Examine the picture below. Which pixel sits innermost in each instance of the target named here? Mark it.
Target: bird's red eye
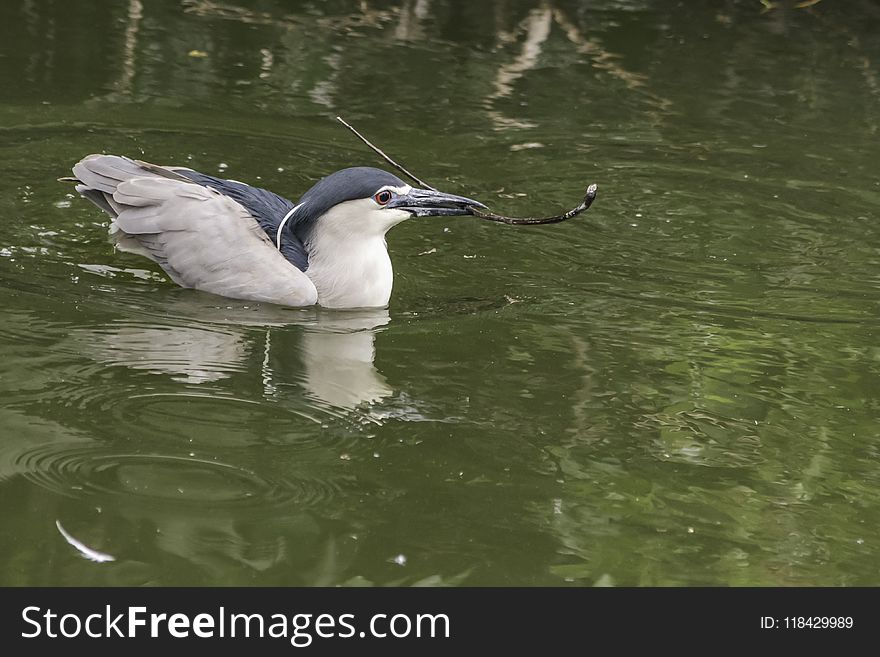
(382, 197)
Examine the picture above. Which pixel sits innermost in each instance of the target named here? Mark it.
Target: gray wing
(201, 238)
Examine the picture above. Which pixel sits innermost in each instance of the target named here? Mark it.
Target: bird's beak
(428, 203)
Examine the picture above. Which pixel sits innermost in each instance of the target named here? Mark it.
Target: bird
(243, 242)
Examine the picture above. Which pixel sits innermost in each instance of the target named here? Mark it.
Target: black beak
(428, 203)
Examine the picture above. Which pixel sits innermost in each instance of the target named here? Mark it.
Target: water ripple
(78, 470)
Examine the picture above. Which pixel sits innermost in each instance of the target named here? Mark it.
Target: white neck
(348, 257)
(351, 274)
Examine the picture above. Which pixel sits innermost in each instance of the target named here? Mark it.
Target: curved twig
(589, 196)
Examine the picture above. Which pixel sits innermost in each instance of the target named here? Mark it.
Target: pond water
(679, 387)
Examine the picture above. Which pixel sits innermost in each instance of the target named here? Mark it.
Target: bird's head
(363, 202)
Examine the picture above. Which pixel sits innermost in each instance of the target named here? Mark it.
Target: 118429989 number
(817, 622)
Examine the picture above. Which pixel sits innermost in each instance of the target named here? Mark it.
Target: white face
(364, 218)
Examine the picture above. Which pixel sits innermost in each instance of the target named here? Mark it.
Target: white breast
(352, 275)
(348, 258)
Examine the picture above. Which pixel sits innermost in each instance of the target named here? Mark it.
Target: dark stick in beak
(431, 203)
(475, 208)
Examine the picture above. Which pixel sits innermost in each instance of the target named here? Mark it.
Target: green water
(679, 387)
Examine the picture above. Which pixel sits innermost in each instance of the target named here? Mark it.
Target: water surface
(679, 387)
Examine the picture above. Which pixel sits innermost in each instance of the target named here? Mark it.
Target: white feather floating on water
(85, 550)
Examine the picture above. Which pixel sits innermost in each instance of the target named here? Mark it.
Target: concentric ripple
(204, 421)
(77, 470)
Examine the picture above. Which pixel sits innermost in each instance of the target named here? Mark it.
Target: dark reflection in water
(677, 388)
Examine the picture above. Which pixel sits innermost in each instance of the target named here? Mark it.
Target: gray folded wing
(201, 238)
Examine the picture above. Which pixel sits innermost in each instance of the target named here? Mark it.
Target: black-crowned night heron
(235, 240)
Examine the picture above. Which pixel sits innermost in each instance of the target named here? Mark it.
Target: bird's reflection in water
(338, 355)
(324, 356)
(188, 354)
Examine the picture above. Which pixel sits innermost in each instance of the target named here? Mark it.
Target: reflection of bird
(229, 238)
(189, 354)
(338, 361)
(330, 355)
